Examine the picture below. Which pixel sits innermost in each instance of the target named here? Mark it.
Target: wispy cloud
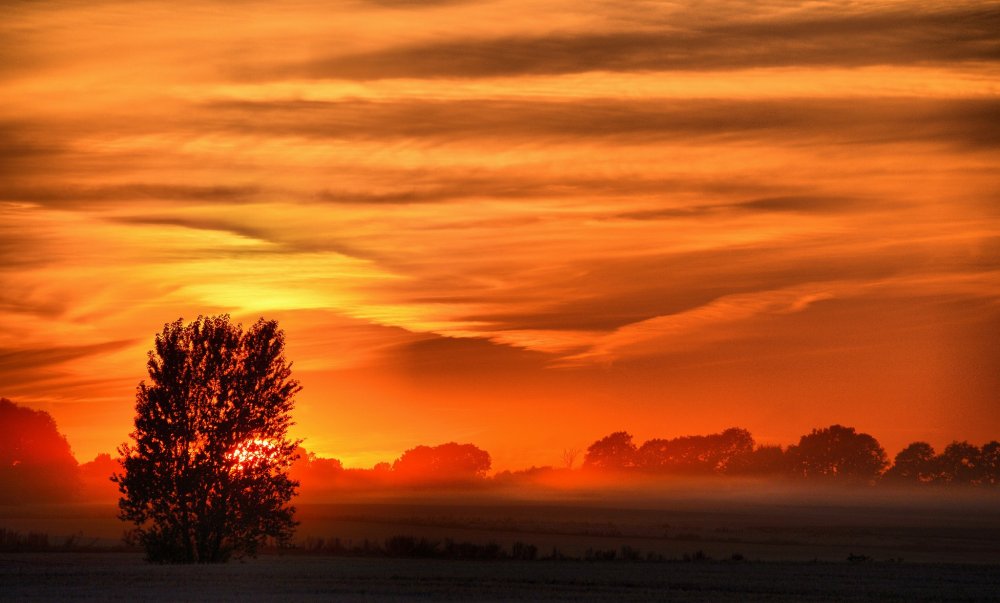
(701, 326)
(21, 359)
(795, 121)
(902, 37)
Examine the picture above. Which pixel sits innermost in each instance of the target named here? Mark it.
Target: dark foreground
(125, 577)
(739, 545)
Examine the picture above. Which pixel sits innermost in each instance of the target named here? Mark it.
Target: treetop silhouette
(445, 462)
(840, 453)
(714, 453)
(36, 463)
(615, 451)
(206, 473)
(915, 464)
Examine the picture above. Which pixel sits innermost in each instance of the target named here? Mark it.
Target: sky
(520, 224)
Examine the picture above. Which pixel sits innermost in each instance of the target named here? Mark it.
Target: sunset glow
(251, 453)
(523, 225)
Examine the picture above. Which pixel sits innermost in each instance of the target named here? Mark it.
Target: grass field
(125, 577)
(944, 547)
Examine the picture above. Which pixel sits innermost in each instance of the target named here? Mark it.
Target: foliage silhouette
(715, 453)
(206, 474)
(36, 463)
(94, 477)
(915, 464)
(445, 462)
(762, 461)
(309, 468)
(961, 463)
(839, 453)
(615, 451)
(991, 463)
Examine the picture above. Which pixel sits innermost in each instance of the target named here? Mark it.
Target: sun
(252, 453)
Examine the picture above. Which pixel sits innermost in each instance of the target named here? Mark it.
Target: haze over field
(520, 224)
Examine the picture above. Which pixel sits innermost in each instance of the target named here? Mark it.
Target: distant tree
(763, 460)
(991, 463)
(658, 454)
(36, 463)
(839, 453)
(696, 454)
(445, 462)
(205, 476)
(95, 474)
(961, 463)
(615, 451)
(569, 457)
(730, 447)
(532, 475)
(915, 464)
(315, 474)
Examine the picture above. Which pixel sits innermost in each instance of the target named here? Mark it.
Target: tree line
(210, 470)
(37, 465)
(835, 453)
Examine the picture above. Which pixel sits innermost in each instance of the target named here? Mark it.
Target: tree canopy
(36, 463)
(915, 464)
(714, 453)
(206, 473)
(840, 453)
(445, 462)
(615, 451)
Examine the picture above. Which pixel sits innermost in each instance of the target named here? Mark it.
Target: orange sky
(518, 224)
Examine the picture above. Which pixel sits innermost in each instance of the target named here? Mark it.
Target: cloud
(26, 150)
(794, 204)
(411, 186)
(967, 122)
(275, 239)
(19, 250)
(415, 4)
(962, 33)
(675, 183)
(446, 357)
(614, 292)
(30, 302)
(22, 361)
(89, 196)
(697, 327)
(728, 319)
(805, 204)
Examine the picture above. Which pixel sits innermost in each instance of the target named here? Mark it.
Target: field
(698, 547)
(123, 576)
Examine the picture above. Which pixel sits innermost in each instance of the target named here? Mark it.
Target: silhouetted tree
(615, 451)
(763, 460)
(94, 475)
(315, 474)
(206, 474)
(838, 452)
(569, 457)
(730, 447)
(445, 462)
(36, 463)
(660, 454)
(696, 454)
(991, 463)
(961, 463)
(915, 464)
